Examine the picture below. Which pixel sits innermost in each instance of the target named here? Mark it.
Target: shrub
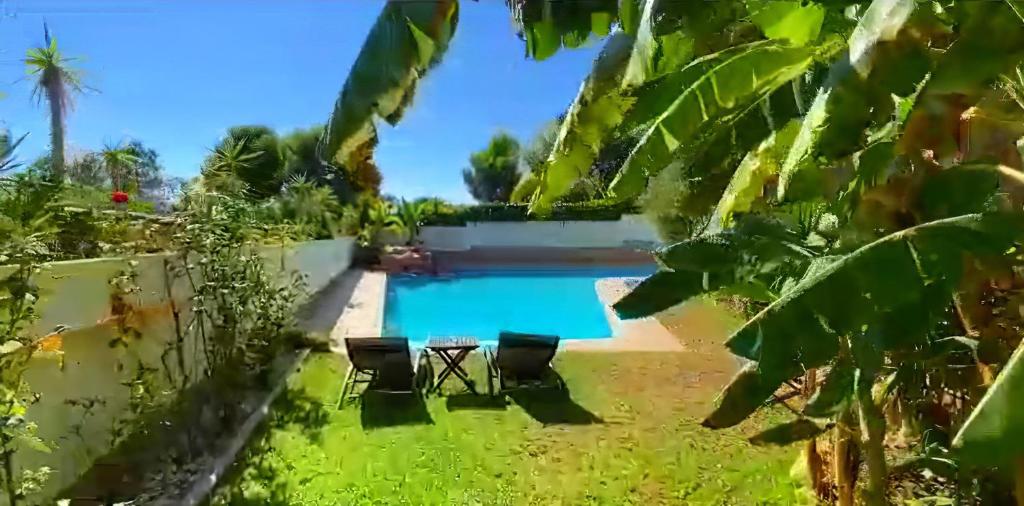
(596, 210)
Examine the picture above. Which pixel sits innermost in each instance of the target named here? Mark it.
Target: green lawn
(628, 434)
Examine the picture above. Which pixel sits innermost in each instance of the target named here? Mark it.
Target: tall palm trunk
(53, 96)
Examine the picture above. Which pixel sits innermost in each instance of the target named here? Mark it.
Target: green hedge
(585, 211)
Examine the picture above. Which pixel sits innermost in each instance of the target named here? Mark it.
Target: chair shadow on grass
(296, 408)
(552, 404)
(471, 401)
(381, 409)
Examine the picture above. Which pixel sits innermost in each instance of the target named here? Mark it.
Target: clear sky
(177, 73)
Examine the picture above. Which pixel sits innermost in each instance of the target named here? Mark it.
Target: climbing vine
(18, 297)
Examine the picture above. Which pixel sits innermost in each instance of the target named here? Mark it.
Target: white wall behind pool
(629, 231)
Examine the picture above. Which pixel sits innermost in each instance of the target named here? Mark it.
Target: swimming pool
(560, 301)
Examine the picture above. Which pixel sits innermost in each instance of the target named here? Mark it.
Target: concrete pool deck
(363, 314)
(363, 294)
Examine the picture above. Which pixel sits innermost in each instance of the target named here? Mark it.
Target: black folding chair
(383, 364)
(521, 361)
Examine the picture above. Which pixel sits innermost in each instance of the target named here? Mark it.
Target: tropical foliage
(817, 182)
(251, 156)
(299, 150)
(408, 39)
(852, 170)
(494, 171)
(534, 156)
(121, 165)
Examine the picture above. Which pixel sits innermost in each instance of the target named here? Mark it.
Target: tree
(57, 81)
(537, 152)
(221, 168)
(300, 156)
(301, 160)
(252, 154)
(121, 165)
(149, 172)
(535, 155)
(87, 169)
(494, 171)
(313, 208)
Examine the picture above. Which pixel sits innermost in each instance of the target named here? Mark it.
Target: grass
(627, 433)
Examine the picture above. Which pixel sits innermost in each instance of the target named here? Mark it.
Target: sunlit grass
(630, 435)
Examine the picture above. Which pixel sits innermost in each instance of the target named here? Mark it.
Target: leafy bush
(458, 216)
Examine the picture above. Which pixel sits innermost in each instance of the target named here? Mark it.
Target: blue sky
(177, 73)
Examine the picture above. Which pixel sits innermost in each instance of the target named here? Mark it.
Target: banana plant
(547, 25)
(993, 433)
(863, 224)
(915, 229)
(406, 42)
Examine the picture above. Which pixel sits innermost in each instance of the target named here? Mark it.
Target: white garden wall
(78, 363)
(628, 231)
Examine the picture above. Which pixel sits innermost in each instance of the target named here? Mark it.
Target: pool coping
(363, 316)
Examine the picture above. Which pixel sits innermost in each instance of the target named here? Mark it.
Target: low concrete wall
(79, 364)
(628, 231)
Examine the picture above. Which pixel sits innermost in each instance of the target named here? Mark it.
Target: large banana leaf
(900, 282)
(547, 25)
(735, 259)
(857, 84)
(882, 21)
(642, 62)
(994, 433)
(670, 33)
(1018, 8)
(754, 171)
(629, 59)
(708, 90)
(796, 21)
(407, 39)
(991, 42)
(629, 15)
(598, 109)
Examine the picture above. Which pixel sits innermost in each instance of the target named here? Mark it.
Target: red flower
(119, 197)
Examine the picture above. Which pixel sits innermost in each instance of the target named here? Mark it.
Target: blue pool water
(561, 302)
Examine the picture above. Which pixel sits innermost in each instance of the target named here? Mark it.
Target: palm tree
(411, 215)
(7, 147)
(121, 163)
(226, 161)
(57, 81)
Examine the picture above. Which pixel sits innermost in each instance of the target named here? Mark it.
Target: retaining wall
(79, 364)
